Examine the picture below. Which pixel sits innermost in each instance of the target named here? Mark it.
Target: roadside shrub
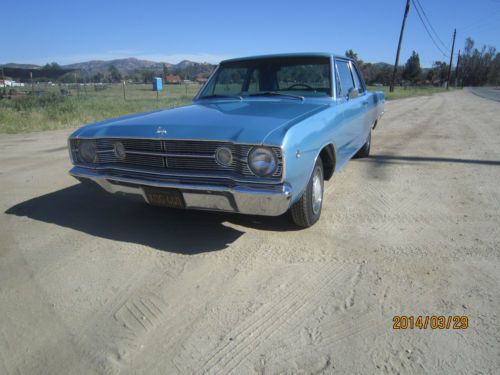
(28, 103)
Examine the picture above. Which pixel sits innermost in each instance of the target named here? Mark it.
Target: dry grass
(406, 92)
(51, 110)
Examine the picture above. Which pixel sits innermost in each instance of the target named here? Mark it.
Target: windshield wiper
(274, 93)
(222, 96)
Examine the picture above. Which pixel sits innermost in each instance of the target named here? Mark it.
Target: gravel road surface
(91, 283)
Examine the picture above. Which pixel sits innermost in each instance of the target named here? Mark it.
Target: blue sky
(75, 30)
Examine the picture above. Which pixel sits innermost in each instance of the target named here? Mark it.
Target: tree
(52, 66)
(353, 55)
(412, 70)
(478, 66)
(147, 76)
(438, 72)
(98, 77)
(114, 74)
(165, 71)
(494, 71)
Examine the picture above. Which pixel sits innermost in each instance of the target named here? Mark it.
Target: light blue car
(260, 138)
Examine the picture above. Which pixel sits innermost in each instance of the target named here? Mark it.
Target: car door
(367, 103)
(353, 124)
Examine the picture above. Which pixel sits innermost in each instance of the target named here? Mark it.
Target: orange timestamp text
(430, 322)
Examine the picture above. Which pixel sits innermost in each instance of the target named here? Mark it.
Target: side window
(346, 81)
(357, 79)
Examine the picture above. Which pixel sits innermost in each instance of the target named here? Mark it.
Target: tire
(307, 210)
(364, 151)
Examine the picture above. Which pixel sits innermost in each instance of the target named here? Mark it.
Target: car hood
(246, 121)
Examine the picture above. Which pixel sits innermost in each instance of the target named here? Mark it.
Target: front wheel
(307, 210)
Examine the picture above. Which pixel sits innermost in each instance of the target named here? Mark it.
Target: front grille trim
(174, 156)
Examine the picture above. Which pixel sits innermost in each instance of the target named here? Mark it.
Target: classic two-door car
(260, 138)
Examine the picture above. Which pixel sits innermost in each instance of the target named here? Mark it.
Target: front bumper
(252, 200)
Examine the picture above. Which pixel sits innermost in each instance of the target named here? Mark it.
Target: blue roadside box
(157, 84)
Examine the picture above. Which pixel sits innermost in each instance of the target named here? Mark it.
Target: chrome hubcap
(317, 192)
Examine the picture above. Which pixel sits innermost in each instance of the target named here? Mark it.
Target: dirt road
(90, 283)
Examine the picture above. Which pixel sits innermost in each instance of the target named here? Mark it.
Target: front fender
(302, 146)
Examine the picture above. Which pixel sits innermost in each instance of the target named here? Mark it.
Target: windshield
(300, 76)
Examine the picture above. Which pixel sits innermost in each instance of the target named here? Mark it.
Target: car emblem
(161, 131)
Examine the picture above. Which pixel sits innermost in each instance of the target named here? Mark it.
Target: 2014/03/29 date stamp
(432, 322)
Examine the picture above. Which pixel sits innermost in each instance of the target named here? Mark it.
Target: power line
(430, 24)
(427, 30)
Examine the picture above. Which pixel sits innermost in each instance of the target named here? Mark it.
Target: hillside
(123, 65)
(129, 68)
(21, 66)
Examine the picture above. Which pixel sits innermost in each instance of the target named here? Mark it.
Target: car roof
(284, 55)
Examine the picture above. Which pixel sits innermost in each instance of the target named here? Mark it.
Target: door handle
(365, 102)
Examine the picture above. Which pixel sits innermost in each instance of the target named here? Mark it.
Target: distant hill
(131, 68)
(21, 66)
(184, 64)
(132, 64)
(123, 65)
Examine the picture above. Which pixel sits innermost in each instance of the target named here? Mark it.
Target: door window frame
(355, 70)
(337, 77)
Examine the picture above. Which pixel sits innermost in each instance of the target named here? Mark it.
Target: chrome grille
(175, 155)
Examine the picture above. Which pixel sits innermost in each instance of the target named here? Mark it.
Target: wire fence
(123, 91)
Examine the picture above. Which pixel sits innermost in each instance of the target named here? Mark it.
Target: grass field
(84, 104)
(50, 110)
(406, 92)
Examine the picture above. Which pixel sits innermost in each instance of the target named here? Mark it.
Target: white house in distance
(10, 83)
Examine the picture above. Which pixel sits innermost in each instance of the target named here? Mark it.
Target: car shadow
(380, 163)
(424, 159)
(87, 209)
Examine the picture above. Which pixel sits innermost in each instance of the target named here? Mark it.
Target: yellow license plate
(165, 198)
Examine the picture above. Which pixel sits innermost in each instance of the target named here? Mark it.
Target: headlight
(87, 151)
(262, 161)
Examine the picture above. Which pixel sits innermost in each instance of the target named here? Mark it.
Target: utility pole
(407, 9)
(456, 69)
(451, 60)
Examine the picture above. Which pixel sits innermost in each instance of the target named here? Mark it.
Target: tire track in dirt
(5, 351)
(143, 318)
(342, 329)
(113, 332)
(263, 325)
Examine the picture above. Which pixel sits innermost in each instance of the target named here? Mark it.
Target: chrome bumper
(241, 199)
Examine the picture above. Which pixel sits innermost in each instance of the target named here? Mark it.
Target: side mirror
(353, 93)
